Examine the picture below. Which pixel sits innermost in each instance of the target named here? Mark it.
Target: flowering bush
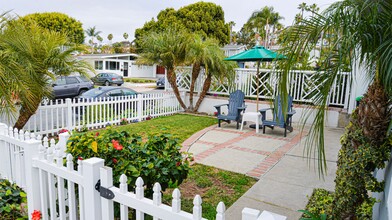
(124, 121)
(36, 215)
(12, 201)
(63, 131)
(158, 159)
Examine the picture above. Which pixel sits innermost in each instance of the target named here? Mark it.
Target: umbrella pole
(258, 85)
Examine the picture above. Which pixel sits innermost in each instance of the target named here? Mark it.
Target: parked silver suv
(70, 86)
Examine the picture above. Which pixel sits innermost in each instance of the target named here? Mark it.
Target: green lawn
(139, 80)
(181, 126)
(213, 185)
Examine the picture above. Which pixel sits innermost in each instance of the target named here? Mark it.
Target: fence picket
(176, 201)
(197, 209)
(60, 187)
(123, 189)
(220, 211)
(51, 186)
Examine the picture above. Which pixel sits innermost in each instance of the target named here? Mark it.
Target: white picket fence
(97, 113)
(63, 192)
(302, 85)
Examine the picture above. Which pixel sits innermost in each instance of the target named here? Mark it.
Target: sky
(119, 16)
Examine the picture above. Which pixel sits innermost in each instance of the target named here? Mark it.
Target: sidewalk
(284, 177)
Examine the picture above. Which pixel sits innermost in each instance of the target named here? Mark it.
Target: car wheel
(119, 84)
(82, 91)
(107, 83)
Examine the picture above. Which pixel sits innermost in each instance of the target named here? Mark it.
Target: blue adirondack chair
(278, 118)
(235, 107)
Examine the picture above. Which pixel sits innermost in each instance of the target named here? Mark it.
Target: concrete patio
(285, 179)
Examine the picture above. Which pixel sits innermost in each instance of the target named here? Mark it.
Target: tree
(261, 22)
(205, 19)
(303, 7)
(110, 38)
(92, 33)
(125, 35)
(100, 39)
(31, 56)
(362, 35)
(172, 48)
(58, 22)
(231, 25)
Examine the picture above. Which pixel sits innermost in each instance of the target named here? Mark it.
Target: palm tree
(93, 33)
(231, 25)
(110, 38)
(363, 34)
(303, 7)
(125, 35)
(172, 48)
(206, 53)
(264, 20)
(33, 56)
(167, 49)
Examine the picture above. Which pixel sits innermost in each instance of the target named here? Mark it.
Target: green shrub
(320, 203)
(12, 200)
(158, 159)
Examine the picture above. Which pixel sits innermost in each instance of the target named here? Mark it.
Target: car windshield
(84, 79)
(92, 93)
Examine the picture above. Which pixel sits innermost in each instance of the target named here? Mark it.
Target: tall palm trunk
(171, 76)
(195, 73)
(206, 87)
(365, 147)
(26, 113)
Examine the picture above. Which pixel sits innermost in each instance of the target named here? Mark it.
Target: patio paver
(285, 179)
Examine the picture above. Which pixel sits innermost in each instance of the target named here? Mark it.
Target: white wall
(209, 103)
(142, 70)
(383, 209)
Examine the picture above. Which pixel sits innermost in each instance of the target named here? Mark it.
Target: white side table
(251, 116)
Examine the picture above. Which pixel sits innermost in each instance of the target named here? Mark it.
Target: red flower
(178, 163)
(97, 134)
(114, 160)
(80, 158)
(36, 215)
(63, 131)
(117, 145)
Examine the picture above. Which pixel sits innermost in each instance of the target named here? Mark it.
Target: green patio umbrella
(257, 54)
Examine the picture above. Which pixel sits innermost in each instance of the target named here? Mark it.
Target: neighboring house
(233, 49)
(121, 64)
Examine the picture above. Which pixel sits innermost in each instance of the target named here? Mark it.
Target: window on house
(112, 65)
(98, 65)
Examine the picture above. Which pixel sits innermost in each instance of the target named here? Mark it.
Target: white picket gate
(71, 114)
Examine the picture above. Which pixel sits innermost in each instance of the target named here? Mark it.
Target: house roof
(234, 47)
(103, 56)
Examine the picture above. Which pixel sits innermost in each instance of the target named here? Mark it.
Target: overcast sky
(119, 16)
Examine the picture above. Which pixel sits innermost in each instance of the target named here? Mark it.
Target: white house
(233, 49)
(121, 64)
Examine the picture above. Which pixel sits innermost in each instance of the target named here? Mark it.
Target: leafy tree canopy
(257, 23)
(205, 19)
(59, 22)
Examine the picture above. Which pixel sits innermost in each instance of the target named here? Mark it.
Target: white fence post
(92, 198)
(32, 176)
(5, 165)
(250, 214)
(106, 175)
(140, 107)
(68, 103)
(62, 144)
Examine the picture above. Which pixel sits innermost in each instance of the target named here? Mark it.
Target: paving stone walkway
(284, 178)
